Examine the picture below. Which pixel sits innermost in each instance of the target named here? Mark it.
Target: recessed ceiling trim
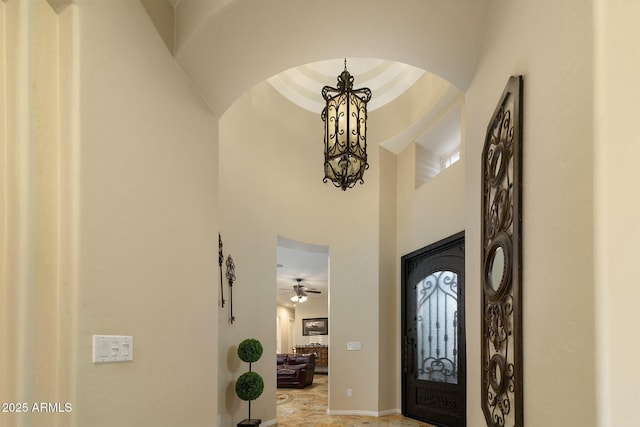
(387, 80)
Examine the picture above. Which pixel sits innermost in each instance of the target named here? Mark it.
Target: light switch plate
(354, 345)
(112, 348)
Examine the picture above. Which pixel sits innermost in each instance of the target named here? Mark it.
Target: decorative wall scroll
(502, 262)
(231, 277)
(220, 261)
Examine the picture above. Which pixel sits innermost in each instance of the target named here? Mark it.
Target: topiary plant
(250, 350)
(249, 385)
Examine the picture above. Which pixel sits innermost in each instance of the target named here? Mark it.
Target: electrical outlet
(349, 392)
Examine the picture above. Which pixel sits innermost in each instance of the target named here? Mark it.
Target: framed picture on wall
(315, 326)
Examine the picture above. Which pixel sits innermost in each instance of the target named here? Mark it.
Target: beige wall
(389, 307)
(134, 235)
(46, 173)
(558, 204)
(31, 284)
(162, 14)
(554, 53)
(147, 226)
(109, 184)
(617, 148)
(432, 211)
(7, 207)
(313, 307)
(270, 185)
(426, 214)
(287, 317)
(5, 359)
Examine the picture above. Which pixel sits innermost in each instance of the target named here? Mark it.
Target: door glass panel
(437, 327)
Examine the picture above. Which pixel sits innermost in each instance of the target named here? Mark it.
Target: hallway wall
(312, 308)
(554, 53)
(617, 229)
(426, 214)
(33, 291)
(110, 182)
(139, 212)
(147, 225)
(287, 317)
(271, 184)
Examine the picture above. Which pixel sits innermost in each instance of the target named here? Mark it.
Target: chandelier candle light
(345, 132)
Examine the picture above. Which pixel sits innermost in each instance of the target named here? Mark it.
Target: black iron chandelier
(345, 132)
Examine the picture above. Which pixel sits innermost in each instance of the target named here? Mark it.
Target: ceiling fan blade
(312, 291)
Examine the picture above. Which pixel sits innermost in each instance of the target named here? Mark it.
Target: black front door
(433, 354)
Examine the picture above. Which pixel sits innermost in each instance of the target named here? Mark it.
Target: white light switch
(354, 345)
(112, 348)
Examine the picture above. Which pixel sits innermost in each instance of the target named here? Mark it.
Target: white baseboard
(364, 413)
(269, 423)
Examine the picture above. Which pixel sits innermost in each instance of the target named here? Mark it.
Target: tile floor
(308, 407)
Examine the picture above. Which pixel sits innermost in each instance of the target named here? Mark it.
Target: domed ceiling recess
(387, 80)
(434, 126)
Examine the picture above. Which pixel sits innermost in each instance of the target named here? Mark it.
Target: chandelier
(345, 132)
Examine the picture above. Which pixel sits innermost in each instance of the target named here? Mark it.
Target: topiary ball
(250, 350)
(249, 386)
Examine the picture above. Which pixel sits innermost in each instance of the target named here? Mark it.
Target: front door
(433, 354)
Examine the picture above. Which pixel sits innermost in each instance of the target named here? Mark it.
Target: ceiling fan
(301, 291)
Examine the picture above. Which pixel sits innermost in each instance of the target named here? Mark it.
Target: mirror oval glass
(496, 273)
(497, 375)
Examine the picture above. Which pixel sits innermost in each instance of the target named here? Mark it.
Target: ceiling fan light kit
(298, 299)
(300, 292)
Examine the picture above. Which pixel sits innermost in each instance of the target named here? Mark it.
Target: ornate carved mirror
(502, 262)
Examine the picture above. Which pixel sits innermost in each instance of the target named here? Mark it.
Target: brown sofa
(295, 370)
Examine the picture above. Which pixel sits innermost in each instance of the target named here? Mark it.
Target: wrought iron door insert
(434, 371)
